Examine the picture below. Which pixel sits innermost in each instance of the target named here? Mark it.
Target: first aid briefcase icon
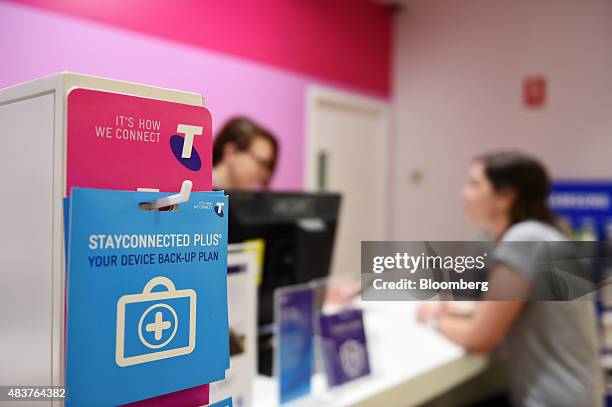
(155, 325)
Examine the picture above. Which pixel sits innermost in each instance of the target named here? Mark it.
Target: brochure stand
(341, 338)
(69, 130)
(320, 339)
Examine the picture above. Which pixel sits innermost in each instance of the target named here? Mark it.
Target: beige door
(346, 152)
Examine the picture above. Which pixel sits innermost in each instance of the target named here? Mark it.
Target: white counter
(410, 364)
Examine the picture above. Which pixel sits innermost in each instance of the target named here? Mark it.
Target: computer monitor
(299, 231)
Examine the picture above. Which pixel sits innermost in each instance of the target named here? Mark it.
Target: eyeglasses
(262, 162)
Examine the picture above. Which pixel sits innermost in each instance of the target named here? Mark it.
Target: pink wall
(35, 43)
(347, 41)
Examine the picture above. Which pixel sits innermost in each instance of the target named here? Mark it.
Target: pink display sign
(117, 141)
(196, 396)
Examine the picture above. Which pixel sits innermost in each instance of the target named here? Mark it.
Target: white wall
(458, 71)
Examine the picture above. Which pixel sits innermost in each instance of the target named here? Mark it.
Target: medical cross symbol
(158, 326)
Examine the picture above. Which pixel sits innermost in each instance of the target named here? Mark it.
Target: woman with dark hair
(244, 156)
(551, 348)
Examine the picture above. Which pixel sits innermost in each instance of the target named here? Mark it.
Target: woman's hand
(429, 310)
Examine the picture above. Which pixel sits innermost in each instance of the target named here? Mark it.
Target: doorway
(347, 152)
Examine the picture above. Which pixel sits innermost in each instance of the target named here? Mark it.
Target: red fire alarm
(534, 91)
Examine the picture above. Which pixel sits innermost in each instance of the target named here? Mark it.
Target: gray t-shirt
(552, 348)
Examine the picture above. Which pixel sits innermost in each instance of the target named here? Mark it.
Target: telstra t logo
(219, 209)
(182, 147)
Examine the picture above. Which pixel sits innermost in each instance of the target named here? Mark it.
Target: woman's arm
(486, 328)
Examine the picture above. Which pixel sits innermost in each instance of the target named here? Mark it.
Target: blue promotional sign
(295, 308)
(146, 296)
(344, 346)
(586, 206)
